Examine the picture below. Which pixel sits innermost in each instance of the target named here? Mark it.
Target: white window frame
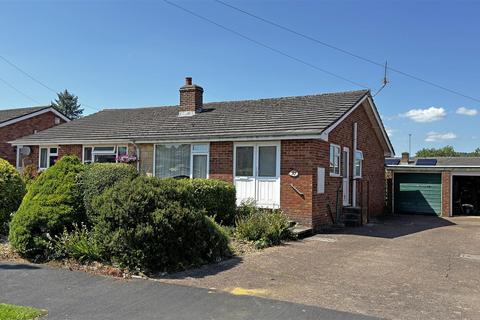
(115, 152)
(49, 154)
(339, 162)
(360, 159)
(192, 152)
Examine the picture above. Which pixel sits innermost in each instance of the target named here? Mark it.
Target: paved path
(81, 296)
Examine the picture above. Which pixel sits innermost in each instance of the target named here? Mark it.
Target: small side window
(358, 163)
(335, 160)
(43, 158)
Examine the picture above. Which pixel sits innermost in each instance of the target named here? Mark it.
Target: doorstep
(302, 231)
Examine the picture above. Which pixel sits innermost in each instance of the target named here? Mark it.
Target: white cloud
(436, 136)
(467, 112)
(426, 115)
(389, 131)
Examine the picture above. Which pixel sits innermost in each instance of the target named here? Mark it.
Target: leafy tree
(67, 104)
(447, 151)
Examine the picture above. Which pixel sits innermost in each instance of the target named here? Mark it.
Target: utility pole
(410, 144)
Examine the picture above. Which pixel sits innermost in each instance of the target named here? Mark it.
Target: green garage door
(418, 193)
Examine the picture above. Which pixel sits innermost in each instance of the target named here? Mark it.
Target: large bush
(263, 227)
(54, 202)
(12, 190)
(99, 176)
(140, 226)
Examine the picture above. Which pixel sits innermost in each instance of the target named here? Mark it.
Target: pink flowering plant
(126, 158)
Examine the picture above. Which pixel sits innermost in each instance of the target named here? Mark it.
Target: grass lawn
(12, 312)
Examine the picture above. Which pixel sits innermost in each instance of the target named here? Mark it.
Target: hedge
(217, 198)
(99, 176)
(54, 202)
(12, 190)
(140, 227)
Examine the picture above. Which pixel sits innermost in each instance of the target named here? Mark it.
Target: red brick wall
(70, 150)
(370, 188)
(22, 129)
(297, 155)
(446, 196)
(221, 161)
(63, 150)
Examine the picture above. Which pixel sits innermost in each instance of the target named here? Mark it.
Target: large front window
(181, 160)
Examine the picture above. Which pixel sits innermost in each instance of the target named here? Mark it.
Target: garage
(465, 194)
(437, 186)
(418, 193)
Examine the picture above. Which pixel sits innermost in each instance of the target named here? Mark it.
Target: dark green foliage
(67, 104)
(99, 176)
(78, 244)
(12, 190)
(264, 227)
(215, 196)
(447, 151)
(54, 201)
(140, 226)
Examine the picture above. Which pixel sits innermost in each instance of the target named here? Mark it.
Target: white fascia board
(34, 114)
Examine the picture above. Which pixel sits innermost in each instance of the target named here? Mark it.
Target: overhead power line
(18, 90)
(266, 45)
(27, 74)
(323, 43)
(35, 80)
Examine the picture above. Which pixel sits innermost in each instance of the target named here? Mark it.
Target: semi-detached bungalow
(309, 155)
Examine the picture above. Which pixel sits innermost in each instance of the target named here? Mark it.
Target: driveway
(404, 268)
(81, 296)
(408, 267)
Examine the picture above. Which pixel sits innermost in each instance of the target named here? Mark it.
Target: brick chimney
(191, 98)
(405, 158)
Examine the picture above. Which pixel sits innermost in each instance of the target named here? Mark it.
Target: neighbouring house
(442, 186)
(17, 123)
(309, 155)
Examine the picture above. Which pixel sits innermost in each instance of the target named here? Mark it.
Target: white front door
(257, 173)
(346, 176)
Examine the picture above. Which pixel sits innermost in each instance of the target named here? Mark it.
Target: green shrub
(54, 201)
(139, 226)
(78, 244)
(99, 176)
(262, 226)
(29, 174)
(12, 190)
(218, 198)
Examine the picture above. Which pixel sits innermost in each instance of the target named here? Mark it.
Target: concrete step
(302, 231)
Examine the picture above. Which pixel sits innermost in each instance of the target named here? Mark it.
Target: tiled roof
(10, 114)
(300, 115)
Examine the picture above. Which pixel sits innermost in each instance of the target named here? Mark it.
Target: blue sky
(129, 54)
